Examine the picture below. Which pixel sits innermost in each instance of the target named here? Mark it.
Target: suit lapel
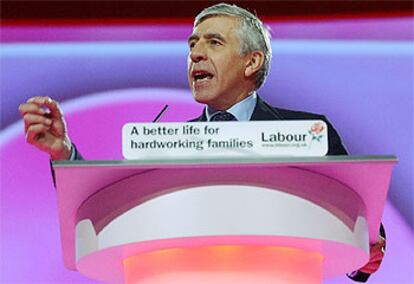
(263, 111)
(201, 118)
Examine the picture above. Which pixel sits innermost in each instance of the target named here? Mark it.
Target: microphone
(158, 117)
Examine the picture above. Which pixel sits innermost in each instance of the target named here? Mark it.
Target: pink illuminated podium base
(250, 220)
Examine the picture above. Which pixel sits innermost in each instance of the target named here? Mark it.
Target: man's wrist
(66, 153)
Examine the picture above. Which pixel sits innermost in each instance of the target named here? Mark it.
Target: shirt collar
(242, 110)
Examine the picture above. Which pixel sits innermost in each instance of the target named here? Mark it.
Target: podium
(221, 220)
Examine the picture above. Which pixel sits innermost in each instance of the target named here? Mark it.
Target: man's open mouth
(201, 76)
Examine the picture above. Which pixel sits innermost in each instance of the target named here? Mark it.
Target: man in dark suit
(228, 62)
(263, 111)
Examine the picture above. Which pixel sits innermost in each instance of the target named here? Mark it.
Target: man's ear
(254, 63)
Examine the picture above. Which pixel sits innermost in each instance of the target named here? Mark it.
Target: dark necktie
(223, 116)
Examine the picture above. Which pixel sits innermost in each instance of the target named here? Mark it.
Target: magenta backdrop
(357, 72)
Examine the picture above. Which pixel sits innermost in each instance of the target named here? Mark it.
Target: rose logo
(317, 128)
(316, 131)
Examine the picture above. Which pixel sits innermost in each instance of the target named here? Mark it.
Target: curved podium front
(287, 220)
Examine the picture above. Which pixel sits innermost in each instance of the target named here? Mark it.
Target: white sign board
(224, 139)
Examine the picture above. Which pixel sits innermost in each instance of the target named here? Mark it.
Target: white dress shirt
(242, 111)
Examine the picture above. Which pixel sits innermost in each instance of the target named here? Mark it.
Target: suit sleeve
(335, 144)
(74, 156)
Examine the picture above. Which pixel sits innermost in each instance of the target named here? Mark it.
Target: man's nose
(198, 54)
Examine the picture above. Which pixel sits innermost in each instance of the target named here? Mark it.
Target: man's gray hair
(252, 33)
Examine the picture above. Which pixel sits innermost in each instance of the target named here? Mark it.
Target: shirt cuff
(72, 153)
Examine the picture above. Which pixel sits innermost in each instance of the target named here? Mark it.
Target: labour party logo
(316, 131)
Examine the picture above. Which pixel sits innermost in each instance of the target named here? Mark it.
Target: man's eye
(191, 44)
(215, 42)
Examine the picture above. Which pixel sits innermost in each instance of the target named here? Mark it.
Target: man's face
(216, 70)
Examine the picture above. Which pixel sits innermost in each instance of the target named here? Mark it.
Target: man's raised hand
(45, 127)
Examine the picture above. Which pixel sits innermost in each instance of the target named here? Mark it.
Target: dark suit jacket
(264, 111)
